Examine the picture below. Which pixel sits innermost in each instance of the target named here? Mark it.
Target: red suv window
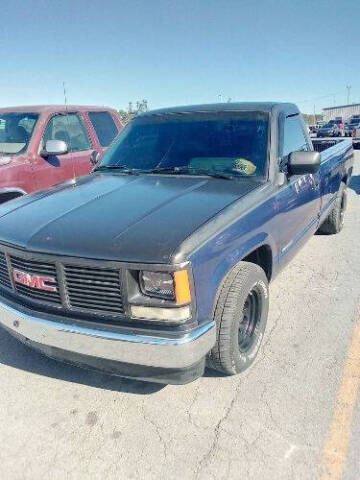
(105, 127)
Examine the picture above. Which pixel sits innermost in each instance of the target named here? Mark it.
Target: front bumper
(95, 346)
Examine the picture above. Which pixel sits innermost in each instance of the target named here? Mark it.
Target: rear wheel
(240, 315)
(335, 221)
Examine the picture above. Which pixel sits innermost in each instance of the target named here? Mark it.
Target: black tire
(335, 221)
(240, 314)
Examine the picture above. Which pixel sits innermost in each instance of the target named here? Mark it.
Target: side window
(105, 127)
(294, 139)
(70, 129)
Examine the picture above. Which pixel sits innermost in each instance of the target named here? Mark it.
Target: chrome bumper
(152, 351)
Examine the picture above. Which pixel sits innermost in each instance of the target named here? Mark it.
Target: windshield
(193, 143)
(15, 132)
(327, 125)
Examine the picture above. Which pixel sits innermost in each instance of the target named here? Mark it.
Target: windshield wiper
(123, 168)
(171, 170)
(186, 169)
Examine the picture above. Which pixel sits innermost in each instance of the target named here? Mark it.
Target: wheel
(335, 220)
(240, 314)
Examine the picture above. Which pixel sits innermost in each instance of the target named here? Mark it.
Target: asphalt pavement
(279, 420)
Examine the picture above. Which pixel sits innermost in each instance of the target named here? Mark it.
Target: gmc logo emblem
(34, 281)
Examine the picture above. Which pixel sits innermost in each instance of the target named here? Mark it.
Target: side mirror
(94, 157)
(55, 147)
(301, 163)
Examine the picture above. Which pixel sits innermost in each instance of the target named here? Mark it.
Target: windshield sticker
(245, 167)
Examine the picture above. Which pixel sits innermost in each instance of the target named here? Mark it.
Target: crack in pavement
(156, 427)
(217, 430)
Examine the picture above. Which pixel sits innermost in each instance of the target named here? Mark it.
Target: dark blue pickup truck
(158, 262)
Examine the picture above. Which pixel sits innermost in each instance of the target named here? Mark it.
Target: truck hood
(117, 217)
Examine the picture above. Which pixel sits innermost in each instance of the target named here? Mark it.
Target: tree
(309, 118)
(129, 114)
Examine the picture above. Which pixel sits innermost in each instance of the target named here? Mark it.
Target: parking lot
(293, 415)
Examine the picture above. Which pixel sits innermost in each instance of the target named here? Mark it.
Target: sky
(179, 52)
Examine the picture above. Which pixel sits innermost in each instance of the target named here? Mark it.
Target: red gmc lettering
(34, 281)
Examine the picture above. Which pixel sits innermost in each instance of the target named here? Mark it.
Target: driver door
(298, 200)
(55, 169)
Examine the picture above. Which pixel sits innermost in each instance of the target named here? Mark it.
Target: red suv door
(69, 128)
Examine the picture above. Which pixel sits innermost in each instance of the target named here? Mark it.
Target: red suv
(41, 146)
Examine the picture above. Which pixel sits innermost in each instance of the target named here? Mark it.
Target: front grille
(94, 289)
(4, 274)
(34, 267)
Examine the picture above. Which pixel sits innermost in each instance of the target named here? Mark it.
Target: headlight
(157, 284)
(173, 286)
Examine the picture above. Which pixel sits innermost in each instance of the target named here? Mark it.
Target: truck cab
(25, 164)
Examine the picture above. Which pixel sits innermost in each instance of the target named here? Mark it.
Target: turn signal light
(182, 287)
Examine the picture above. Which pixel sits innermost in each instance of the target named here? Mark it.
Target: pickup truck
(28, 161)
(159, 261)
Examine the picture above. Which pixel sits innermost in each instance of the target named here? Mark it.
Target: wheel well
(262, 256)
(5, 197)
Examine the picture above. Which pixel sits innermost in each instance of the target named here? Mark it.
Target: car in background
(41, 146)
(314, 128)
(341, 125)
(351, 126)
(356, 137)
(355, 117)
(330, 129)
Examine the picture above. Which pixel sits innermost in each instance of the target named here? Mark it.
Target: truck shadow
(355, 184)
(17, 355)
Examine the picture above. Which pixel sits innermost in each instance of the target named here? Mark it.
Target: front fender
(215, 259)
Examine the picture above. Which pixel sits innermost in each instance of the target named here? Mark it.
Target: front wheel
(240, 314)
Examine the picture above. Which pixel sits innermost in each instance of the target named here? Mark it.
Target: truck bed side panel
(336, 166)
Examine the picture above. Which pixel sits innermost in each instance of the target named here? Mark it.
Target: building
(343, 111)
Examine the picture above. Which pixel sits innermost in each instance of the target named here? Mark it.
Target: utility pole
(348, 88)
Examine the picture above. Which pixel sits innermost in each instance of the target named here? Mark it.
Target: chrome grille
(94, 289)
(34, 267)
(91, 289)
(4, 273)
